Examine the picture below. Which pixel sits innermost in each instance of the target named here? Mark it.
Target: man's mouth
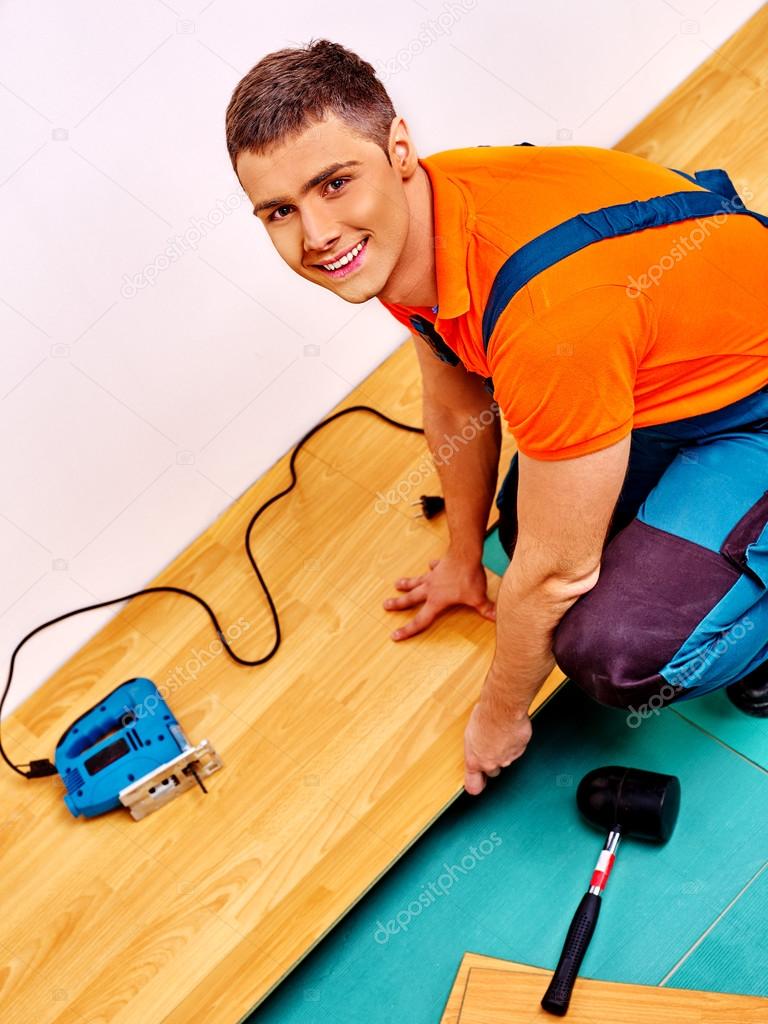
(347, 263)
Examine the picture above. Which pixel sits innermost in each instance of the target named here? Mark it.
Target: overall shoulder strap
(576, 233)
(438, 345)
(716, 180)
(426, 329)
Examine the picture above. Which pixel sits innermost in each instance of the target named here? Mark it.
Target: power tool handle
(558, 995)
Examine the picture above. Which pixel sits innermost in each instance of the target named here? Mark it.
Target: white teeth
(344, 259)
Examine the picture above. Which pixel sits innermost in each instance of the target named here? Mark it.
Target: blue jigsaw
(129, 750)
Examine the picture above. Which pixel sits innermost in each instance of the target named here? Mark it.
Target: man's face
(355, 199)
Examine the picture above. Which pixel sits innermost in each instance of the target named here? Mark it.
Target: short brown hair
(289, 89)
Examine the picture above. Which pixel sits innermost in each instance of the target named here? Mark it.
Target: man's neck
(413, 282)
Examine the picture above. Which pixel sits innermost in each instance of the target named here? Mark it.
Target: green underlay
(501, 874)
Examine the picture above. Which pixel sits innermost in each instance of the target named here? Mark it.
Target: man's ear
(402, 151)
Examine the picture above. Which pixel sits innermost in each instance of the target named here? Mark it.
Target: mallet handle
(558, 995)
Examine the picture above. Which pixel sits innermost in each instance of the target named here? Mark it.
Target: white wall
(130, 421)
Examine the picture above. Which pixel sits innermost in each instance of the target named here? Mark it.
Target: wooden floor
(492, 991)
(338, 753)
(474, 961)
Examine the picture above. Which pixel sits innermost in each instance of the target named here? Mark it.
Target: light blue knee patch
(728, 643)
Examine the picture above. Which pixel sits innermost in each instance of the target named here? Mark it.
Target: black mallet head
(642, 804)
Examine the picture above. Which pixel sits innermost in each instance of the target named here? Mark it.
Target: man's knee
(603, 659)
(618, 638)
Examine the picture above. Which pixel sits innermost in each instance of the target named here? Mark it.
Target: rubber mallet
(626, 802)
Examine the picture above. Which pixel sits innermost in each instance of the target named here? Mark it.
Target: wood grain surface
(488, 990)
(508, 995)
(338, 753)
(474, 960)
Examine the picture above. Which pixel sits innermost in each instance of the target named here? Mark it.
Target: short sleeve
(564, 378)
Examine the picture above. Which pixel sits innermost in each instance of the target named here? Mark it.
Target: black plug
(431, 505)
(39, 769)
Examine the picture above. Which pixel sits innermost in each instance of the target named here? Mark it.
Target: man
(633, 375)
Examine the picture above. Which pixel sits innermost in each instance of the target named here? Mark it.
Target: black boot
(750, 694)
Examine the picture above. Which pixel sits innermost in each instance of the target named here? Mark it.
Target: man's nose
(320, 233)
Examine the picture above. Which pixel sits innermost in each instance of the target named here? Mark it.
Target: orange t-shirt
(661, 324)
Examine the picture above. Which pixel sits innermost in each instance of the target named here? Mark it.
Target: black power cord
(43, 767)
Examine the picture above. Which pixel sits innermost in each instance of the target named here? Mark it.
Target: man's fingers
(408, 600)
(409, 582)
(475, 774)
(474, 782)
(488, 610)
(424, 618)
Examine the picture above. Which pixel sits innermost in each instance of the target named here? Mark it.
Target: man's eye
(341, 182)
(273, 215)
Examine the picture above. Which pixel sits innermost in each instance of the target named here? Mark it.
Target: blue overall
(681, 604)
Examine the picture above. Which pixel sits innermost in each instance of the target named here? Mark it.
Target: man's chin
(355, 289)
(356, 295)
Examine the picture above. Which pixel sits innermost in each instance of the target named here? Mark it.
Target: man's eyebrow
(317, 180)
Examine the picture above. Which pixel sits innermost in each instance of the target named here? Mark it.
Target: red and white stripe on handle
(602, 869)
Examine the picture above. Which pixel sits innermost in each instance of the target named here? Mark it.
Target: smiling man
(614, 311)
(385, 247)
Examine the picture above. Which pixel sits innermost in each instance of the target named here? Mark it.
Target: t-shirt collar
(453, 218)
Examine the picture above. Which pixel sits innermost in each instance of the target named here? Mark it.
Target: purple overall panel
(653, 591)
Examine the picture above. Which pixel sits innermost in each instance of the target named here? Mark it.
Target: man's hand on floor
(451, 580)
(491, 742)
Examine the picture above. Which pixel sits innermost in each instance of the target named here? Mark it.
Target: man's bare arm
(462, 430)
